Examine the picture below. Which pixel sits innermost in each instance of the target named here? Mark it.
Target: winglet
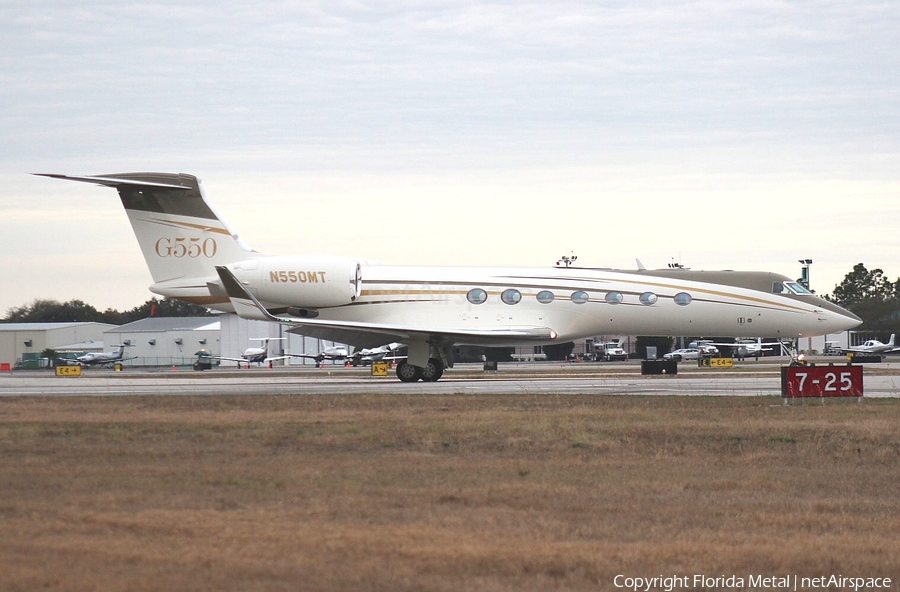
(245, 304)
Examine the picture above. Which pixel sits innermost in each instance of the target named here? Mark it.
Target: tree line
(53, 311)
(868, 294)
(871, 296)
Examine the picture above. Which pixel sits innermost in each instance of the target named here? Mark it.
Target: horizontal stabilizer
(113, 181)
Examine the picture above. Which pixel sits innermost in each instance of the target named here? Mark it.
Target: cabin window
(614, 298)
(648, 298)
(682, 299)
(511, 296)
(580, 297)
(476, 296)
(545, 296)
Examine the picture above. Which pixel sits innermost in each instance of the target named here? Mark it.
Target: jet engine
(303, 282)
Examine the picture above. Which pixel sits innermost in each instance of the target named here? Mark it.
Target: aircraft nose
(839, 319)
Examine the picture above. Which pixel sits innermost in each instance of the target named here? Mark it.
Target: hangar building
(165, 341)
(22, 343)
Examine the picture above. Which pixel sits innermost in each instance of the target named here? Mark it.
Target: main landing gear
(432, 371)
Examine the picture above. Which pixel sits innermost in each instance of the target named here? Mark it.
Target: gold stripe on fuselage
(204, 227)
(431, 288)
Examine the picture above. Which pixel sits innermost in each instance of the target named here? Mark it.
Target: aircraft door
(356, 282)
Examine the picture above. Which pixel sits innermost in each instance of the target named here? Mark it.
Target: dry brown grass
(410, 492)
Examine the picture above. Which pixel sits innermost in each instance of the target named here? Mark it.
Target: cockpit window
(789, 288)
(797, 288)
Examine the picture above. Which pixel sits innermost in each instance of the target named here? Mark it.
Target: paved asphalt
(750, 378)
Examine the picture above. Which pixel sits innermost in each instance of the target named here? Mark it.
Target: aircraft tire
(433, 371)
(406, 372)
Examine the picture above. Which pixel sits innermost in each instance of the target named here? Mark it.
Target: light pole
(804, 272)
(804, 280)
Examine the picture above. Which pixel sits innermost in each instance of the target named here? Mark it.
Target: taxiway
(749, 379)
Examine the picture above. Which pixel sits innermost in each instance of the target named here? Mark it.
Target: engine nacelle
(304, 281)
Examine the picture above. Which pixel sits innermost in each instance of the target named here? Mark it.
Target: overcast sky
(721, 135)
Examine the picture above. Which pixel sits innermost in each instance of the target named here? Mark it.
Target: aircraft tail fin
(891, 341)
(181, 236)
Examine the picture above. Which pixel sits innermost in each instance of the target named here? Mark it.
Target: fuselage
(255, 354)
(576, 302)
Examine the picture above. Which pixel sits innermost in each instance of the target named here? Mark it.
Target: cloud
(615, 128)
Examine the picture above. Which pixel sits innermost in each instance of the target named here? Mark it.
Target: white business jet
(194, 256)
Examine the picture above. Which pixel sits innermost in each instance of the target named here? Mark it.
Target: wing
(240, 360)
(362, 334)
(275, 359)
(311, 357)
(754, 344)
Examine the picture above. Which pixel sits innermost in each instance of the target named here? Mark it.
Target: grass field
(411, 492)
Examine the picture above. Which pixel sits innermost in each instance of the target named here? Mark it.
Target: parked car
(690, 353)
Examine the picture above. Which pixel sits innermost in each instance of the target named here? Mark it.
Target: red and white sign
(822, 381)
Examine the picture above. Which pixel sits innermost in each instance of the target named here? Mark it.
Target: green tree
(51, 355)
(872, 297)
(861, 285)
(53, 311)
(168, 307)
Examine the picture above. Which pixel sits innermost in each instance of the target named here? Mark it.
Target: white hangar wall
(165, 341)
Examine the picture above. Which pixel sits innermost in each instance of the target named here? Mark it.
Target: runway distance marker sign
(822, 381)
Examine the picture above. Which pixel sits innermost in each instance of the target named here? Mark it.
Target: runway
(748, 380)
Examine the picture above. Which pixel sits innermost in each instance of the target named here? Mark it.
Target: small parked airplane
(873, 346)
(194, 256)
(100, 358)
(747, 349)
(332, 353)
(260, 355)
(253, 355)
(376, 354)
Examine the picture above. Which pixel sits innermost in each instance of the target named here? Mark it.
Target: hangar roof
(45, 326)
(156, 324)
